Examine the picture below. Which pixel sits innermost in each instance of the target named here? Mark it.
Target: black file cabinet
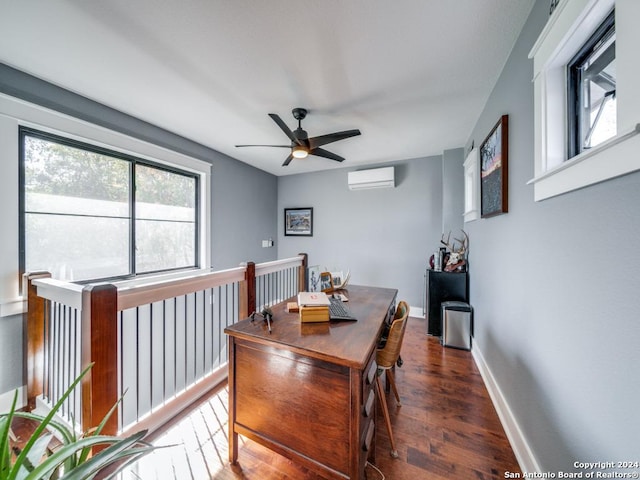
(443, 287)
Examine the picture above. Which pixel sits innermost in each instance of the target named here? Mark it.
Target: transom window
(589, 132)
(89, 213)
(592, 90)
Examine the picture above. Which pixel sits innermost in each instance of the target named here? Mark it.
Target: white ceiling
(412, 75)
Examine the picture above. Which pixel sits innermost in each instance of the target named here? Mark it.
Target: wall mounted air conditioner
(373, 178)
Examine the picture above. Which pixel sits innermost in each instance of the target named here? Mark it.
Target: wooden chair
(386, 358)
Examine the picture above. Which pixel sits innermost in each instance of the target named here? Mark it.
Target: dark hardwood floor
(446, 428)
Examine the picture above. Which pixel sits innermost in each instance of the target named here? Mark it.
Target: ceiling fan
(301, 145)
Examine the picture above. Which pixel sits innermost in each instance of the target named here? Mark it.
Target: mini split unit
(374, 178)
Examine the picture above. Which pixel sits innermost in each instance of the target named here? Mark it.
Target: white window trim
(15, 113)
(572, 23)
(472, 186)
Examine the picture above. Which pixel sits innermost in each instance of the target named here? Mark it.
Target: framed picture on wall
(494, 180)
(298, 221)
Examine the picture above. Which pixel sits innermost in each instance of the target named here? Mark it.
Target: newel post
(248, 291)
(302, 273)
(100, 346)
(35, 336)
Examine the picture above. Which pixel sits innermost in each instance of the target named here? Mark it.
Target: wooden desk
(306, 390)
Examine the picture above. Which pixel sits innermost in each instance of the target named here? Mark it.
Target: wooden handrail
(66, 293)
(276, 265)
(157, 290)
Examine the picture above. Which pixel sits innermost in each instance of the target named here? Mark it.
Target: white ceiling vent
(374, 178)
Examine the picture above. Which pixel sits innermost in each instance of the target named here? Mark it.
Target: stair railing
(157, 345)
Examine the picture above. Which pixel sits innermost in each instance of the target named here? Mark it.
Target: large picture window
(88, 213)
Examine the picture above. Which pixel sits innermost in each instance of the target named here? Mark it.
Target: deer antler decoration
(464, 243)
(446, 243)
(456, 260)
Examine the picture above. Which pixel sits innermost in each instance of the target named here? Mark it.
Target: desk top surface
(346, 343)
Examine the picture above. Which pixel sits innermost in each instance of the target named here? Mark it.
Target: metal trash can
(457, 318)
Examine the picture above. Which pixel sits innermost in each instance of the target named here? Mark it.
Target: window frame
(574, 84)
(133, 161)
(16, 112)
(571, 24)
(472, 185)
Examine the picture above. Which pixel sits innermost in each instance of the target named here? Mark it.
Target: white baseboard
(416, 312)
(6, 399)
(521, 449)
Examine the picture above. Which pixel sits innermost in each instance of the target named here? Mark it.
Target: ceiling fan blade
(321, 152)
(279, 146)
(284, 128)
(288, 160)
(331, 137)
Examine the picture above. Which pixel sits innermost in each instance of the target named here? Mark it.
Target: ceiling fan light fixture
(301, 144)
(298, 151)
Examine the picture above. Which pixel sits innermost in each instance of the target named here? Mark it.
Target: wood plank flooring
(446, 428)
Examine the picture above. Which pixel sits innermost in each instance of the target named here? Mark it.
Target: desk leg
(233, 436)
(233, 447)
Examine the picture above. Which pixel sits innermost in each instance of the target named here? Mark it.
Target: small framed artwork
(326, 282)
(494, 162)
(339, 279)
(314, 279)
(298, 222)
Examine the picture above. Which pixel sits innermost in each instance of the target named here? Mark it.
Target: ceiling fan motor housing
(299, 113)
(301, 135)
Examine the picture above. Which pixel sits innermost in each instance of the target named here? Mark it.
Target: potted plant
(76, 458)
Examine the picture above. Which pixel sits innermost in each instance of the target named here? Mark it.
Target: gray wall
(243, 199)
(453, 192)
(244, 204)
(12, 366)
(384, 236)
(554, 285)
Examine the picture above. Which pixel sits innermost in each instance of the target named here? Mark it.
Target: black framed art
(298, 222)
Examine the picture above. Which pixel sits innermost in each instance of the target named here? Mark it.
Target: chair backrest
(401, 310)
(387, 356)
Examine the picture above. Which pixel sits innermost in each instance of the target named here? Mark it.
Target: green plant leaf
(65, 433)
(136, 454)
(42, 426)
(5, 451)
(85, 453)
(45, 468)
(37, 452)
(4, 463)
(32, 463)
(117, 451)
(5, 440)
